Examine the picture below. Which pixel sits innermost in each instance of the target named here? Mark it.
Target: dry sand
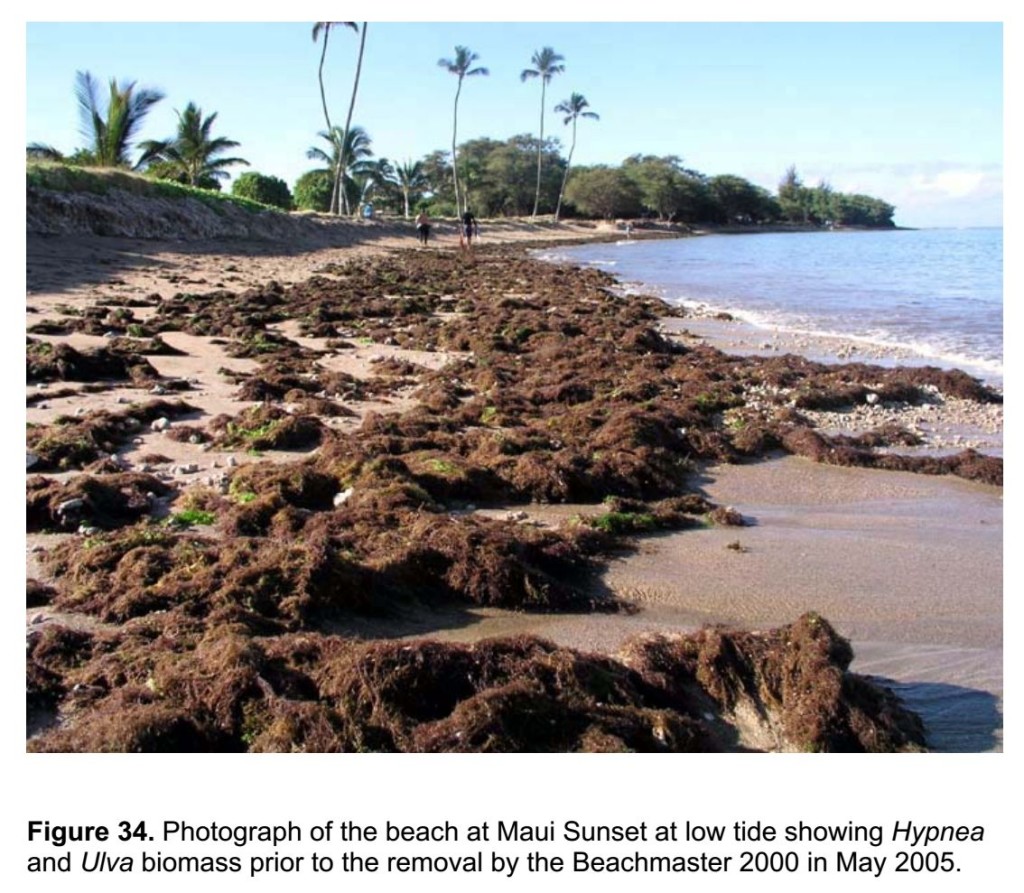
(908, 567)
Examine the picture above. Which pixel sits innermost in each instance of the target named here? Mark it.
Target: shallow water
(935, 293)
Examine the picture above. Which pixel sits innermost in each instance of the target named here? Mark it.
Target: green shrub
(313, 191)
(263, 188)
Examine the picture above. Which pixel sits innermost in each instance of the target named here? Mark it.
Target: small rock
(70, 505)
(37, 619)
(123, 400)
(516, 516)
(85, 530)
(158, 389)
(872, 398)
(341, 498)
(232, 461)
(161, 424)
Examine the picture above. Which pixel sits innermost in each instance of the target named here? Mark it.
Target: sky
(911, 112)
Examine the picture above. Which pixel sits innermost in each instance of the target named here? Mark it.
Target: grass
(192, 517)
(61, 177)
(623, 522)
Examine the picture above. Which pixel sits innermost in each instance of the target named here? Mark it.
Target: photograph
(514, 387)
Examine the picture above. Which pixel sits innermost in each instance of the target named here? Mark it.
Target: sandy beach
(907, 566)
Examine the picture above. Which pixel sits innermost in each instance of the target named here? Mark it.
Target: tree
(461, 67)
(411, 179)
(667, 188)
(324, 28)
(263, 188)
(739, 201)
(354, 146)
(110, 131)
(603, 191)
(340, 170)
(573, 108)
(191, 155)
(546, 64)
(375, 178)
(795, 199)
(313, 191)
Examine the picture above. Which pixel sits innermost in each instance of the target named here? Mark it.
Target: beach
(906, 565)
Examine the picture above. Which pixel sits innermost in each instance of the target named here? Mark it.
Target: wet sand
(908, 567)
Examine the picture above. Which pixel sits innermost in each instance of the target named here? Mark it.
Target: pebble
(70, 505)
(189, 468)
(158, 389)
(341, 498)
(161, 424)
(517, 516)
(85, 530)
(232, 461)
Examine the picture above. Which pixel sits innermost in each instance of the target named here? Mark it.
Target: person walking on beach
(423, 227)
(468, 231)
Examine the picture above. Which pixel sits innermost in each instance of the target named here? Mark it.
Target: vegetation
(264, 189)
(462, 67)
(191, 156)
(61, 177)
(324, 29)
(313, 191)
(521, 174)
(546, 64)
(574, 108)
(108, 130)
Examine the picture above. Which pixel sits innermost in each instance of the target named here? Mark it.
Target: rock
(517, 516)
(341, 498)
(37, 619)
(872, 398)
(70, 505)
(30, 459)
(132, 424)
(86, 530)
(158, 389)
(188, 468)
(161, 424)
(232, 461)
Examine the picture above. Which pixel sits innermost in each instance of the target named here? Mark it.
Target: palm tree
(354, 146)
(573, 108)
(192, 153)
(460, 66)
(110, 133)
(410, 177)
(546, 64)
(374, 175)
(338, 174)
(324, 28)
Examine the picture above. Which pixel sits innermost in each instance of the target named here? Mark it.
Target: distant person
(470, 228)
(368, 211)
(423, 227)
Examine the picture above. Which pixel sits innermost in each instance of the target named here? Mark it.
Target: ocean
(935, 294)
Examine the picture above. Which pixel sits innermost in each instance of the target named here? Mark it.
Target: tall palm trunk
(540, 145)
(455, 164)
(339, 174)
(323, 92)
(565, 176)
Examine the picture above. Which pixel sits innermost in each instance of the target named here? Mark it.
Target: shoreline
(171, 273)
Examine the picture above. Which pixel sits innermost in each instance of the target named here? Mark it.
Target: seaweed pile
(557, 389)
